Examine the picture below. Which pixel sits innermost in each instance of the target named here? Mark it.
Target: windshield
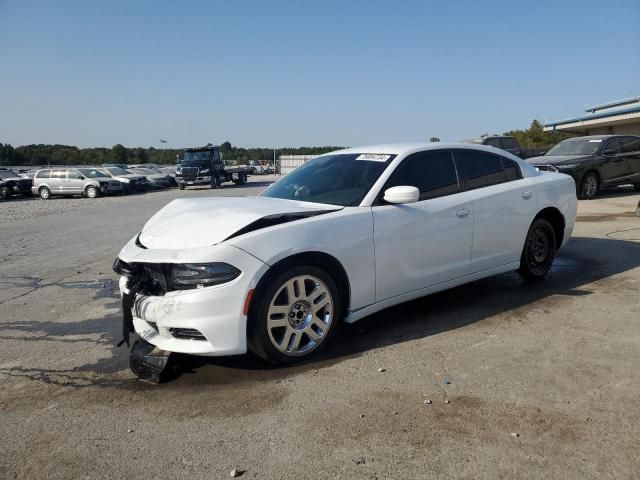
(341, 179)
(195, 157)
(92, 173)
(576, 147)
(117, 171)
(8, 174)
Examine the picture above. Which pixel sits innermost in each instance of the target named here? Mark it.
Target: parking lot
(495, 379)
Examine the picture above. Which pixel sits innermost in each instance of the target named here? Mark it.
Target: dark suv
(508, 144)
(595, 162)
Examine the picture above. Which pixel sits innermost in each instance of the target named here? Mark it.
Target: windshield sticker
(374, 157)
(595, 141)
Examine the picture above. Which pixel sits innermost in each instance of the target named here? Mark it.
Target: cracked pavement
(542, 379)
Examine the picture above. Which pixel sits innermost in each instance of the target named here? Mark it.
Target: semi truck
(205, 166)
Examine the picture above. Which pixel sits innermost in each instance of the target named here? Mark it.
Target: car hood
(556, 159)
(201, 222)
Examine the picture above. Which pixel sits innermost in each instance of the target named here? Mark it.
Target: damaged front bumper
(204, 321)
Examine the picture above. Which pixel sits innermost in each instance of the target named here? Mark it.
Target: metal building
(289, 163)
(620, 117)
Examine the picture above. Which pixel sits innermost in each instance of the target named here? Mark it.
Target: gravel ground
(496, 379)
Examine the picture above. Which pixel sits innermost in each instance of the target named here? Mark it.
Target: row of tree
(533, 137)
(70, 155)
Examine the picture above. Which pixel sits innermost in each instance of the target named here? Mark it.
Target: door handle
(526, 195)
(463, 212)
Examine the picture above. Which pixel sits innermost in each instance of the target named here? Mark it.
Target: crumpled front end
(204, 320)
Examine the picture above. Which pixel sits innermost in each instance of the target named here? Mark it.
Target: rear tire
(539, 250)
(45, 193)
(636, 187)
(589, 186)
(5, 193)
(181, 186)
(294, 315)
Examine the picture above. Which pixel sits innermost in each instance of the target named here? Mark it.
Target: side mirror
(81, 177)
(402, 194)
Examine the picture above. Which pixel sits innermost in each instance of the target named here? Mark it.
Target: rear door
(57, 181)
(427, 242)
(630, 150)
(504, 205)
(615, 167)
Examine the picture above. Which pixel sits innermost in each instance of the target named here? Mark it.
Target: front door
(57, 181)
(75, 182)
(428, 242)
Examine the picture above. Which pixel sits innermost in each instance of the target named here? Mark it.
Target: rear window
(628, 145)
(480, 169)
(43, 174)
(493, 142)
(509, 143)
(511, 170)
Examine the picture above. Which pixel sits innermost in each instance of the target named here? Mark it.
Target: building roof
(630, 113)
(616, 103)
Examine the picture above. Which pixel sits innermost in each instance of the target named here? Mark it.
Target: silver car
(71, 181)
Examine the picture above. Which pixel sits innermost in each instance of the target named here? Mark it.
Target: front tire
(295, 315)
(181, 186)
(589, 186)
(91, 192)
(5, 193)
(636, 187)
(539, 250)
(44, 193)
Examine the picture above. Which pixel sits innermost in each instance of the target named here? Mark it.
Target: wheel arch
(555, 217)
(322, 260)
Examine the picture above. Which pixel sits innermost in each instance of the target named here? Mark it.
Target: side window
(58, 174)
(612, 147)
(509, 143)
(216, 155)
(480, 169)
(511, 169)
(630, 145)
(493, 142)
(74, 174)
(433, 173)
(43, 174)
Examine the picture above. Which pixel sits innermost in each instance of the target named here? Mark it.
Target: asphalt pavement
(496, 379)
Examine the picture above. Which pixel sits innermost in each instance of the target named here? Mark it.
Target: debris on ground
(514, 434)
(382, 369)
(427, 402)
(447, 382)
(446, 401)
(237, 472)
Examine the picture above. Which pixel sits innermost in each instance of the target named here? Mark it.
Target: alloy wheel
(300, 315)
(590, 187)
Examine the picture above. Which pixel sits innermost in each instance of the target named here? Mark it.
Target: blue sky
(292, 73)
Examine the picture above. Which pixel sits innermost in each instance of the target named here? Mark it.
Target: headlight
(204, 170)
(198, 275)
(566, 166)
(124, 180)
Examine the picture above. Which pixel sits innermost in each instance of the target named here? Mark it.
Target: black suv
(508, 144)
(595, 162)
(13, 184)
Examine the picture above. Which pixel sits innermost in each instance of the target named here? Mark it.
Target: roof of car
(410, 147)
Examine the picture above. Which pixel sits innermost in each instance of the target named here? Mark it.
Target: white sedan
(343, 236)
